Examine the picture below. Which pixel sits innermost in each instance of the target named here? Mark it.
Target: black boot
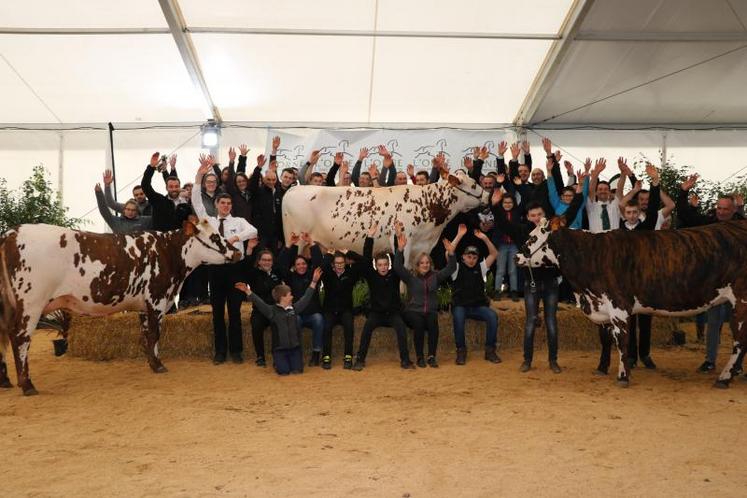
(315, 358)
(461, 358)
(491, 356)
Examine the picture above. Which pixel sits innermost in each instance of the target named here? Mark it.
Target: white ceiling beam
(637, 36)
(183, 40)
(373, 33)
(84, 31)
(548, 72)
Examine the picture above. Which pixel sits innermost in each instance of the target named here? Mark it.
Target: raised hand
(338, 158)
(344, 167)
(693, 200)
(243, 149)
(558, 155)
(599, 165)
(497, 197)
(172, 161)
(517, 181)
(587, 165)
(273, 166)
(306, 238)
(243, 288)
(261, 160)
(461, 230)
(568, 167)
(503, 147)
(252, 243)
(231, 154)
(315, 155)
(383, 152)
(108, 177)
(410, 170)
(484, 153)
(293, 239)
(97, 187)
(448, 246)
(468, 163)
(690, 182)
(622, 165)
(638, 186)
(480, 234)
(500, 178)
(547, 145)
(550, 164)
(476, 152)
(363, 153)
(373, 229)
(275, 145)
(317, 275)
(515, 151)
(154, 159)
(525, 146)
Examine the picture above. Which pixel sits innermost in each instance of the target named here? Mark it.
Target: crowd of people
(292, 290)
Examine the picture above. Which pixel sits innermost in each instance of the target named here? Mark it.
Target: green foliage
(34, 202)
(360, 295)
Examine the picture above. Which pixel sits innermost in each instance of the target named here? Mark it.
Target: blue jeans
(315, 322)
(547, 290)
(506, 253)
(481, 313)
(716, 318)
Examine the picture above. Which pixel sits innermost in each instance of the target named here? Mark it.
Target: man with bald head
(726, 210)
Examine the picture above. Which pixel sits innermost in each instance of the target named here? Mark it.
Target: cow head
(536, 252)
(468, 192)
(207, 246)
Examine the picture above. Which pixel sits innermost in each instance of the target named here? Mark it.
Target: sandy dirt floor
(115, 429)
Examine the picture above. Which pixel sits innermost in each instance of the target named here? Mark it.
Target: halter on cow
(45, 268)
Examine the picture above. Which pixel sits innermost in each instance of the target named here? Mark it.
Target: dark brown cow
(45, 268)
(668, 273)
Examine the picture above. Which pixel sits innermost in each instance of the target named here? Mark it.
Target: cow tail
(7, 302)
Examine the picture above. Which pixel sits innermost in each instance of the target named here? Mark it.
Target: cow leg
(20, 342)
(150, 326)
(739, 327)
(620, 334)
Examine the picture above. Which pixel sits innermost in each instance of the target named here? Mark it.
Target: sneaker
(491, 355)
(407, 365)
(555, 367)
(326, 362)
(237, 358)
(525, 367)
(315, 358)
(359, 365)
(706, 367)
(432, 362)
(261, 362)
(421, 362)
(219, 359)
(461, 358)
(348, 364)
(648, 363)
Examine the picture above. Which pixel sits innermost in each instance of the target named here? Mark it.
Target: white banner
(416, 147)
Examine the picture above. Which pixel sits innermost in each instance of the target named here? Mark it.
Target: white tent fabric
(482, 64)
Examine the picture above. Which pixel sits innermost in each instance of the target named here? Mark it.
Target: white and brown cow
(44, 268)
(665, 272)
(339, 217)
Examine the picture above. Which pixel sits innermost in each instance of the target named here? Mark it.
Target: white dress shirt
(231, 225)
(594, 213)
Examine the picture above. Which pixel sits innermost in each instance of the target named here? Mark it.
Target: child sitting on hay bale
(286, 334)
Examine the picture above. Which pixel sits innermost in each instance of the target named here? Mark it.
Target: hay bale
(189, 334)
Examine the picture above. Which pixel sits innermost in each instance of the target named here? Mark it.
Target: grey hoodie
(422, 291)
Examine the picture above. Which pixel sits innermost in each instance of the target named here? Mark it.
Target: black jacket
(338, 289)
(286, 334)
(299, 283)
(690, 217)
(241, 201)
(166, 214)
(267, 207)
(382, 289)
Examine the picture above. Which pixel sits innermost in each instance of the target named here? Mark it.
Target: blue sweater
(561, 207)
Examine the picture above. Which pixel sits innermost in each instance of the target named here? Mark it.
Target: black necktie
(220, 228)
(605, 218)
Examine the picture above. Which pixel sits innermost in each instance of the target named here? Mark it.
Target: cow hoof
(623, 382)
(160, 369)
(5, 384)
(31, 391)
(721, 384)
